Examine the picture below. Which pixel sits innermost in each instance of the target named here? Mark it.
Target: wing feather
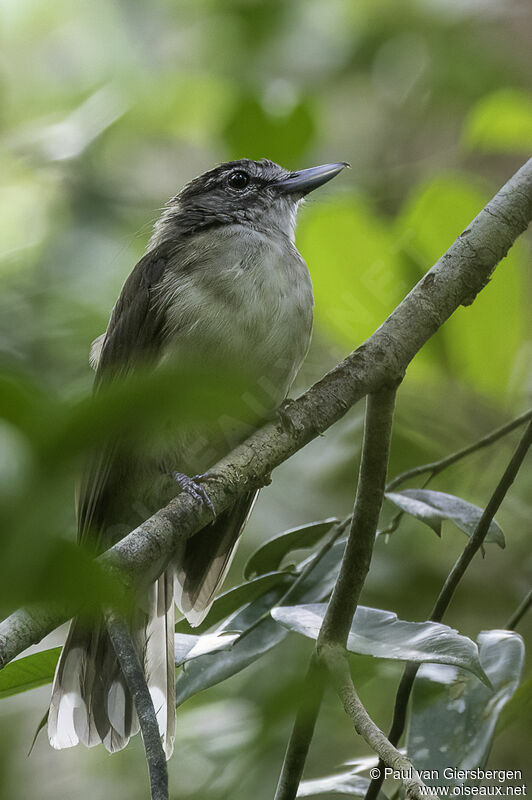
(135, 334)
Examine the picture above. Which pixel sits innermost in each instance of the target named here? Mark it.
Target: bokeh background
(107, 108)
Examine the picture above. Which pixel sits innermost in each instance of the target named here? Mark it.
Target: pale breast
(245, 297)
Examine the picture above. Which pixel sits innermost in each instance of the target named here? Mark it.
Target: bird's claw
(194, 489)
(284, 416)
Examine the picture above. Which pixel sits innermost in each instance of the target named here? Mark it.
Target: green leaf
(349, 783)
(232, 600)
(213, 668)
(254, 130)
(187, 647)
(29, 672)
(500, 122)
(466, 710)
(435, 214)
(380, 633)
(269, 556)
(433, 507)
(519, 707)
(355, 272)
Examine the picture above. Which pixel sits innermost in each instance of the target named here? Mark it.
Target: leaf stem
(332, 639)
(368, 503)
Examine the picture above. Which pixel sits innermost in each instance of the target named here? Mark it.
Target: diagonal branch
(519, 612)
(435, 467)
(336, 660)
(454, 280)
(353, 571)
(332, 639)
(446, 594)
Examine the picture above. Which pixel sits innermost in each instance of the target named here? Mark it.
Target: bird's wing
(135, 334)
(136, 328)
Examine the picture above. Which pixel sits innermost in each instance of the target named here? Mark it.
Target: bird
(221, 281)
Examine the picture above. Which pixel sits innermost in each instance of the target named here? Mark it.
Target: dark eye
(238, 180)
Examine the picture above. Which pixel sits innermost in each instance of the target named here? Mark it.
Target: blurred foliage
(107, 109)
(459, 703)
(501, 123)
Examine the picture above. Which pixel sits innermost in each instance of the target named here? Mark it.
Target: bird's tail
(206, 558)
(90, 699)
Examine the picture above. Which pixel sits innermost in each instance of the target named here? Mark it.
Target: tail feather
(206, 559)
(90, 699)
(159, 659)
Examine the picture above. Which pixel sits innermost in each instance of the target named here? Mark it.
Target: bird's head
(258, 194)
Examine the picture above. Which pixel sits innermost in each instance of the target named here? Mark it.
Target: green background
(106, 109)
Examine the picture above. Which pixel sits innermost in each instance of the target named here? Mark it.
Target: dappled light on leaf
(29, 672)
(466, 711)
(434, 507)
(381, 634)
(270, 555)
(209, 670)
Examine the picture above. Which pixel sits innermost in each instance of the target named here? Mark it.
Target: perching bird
(221, 280)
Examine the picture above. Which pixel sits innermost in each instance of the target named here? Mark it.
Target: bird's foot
(194, 488)
(283, 414)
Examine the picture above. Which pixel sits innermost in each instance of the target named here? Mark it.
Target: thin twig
(519, 612)
(136, 682)
(446, 594)
(435, 467)
(481, 531)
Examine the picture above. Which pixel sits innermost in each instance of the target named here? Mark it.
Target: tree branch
(435, 467)
(453, 281)
(302, 732)
(355, 566)
(368, 503)
(519, 612)
(446, 594)
(332, 640)
(335, 659)
(136, 682)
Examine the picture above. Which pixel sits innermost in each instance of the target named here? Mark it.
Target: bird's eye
(238, 180)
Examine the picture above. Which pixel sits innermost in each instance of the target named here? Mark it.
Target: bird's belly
(243, 313)
(251, 349)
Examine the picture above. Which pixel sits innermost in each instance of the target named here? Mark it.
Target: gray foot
(194, 488)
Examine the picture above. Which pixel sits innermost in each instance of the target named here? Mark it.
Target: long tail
(90, 700)
(206, 559)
